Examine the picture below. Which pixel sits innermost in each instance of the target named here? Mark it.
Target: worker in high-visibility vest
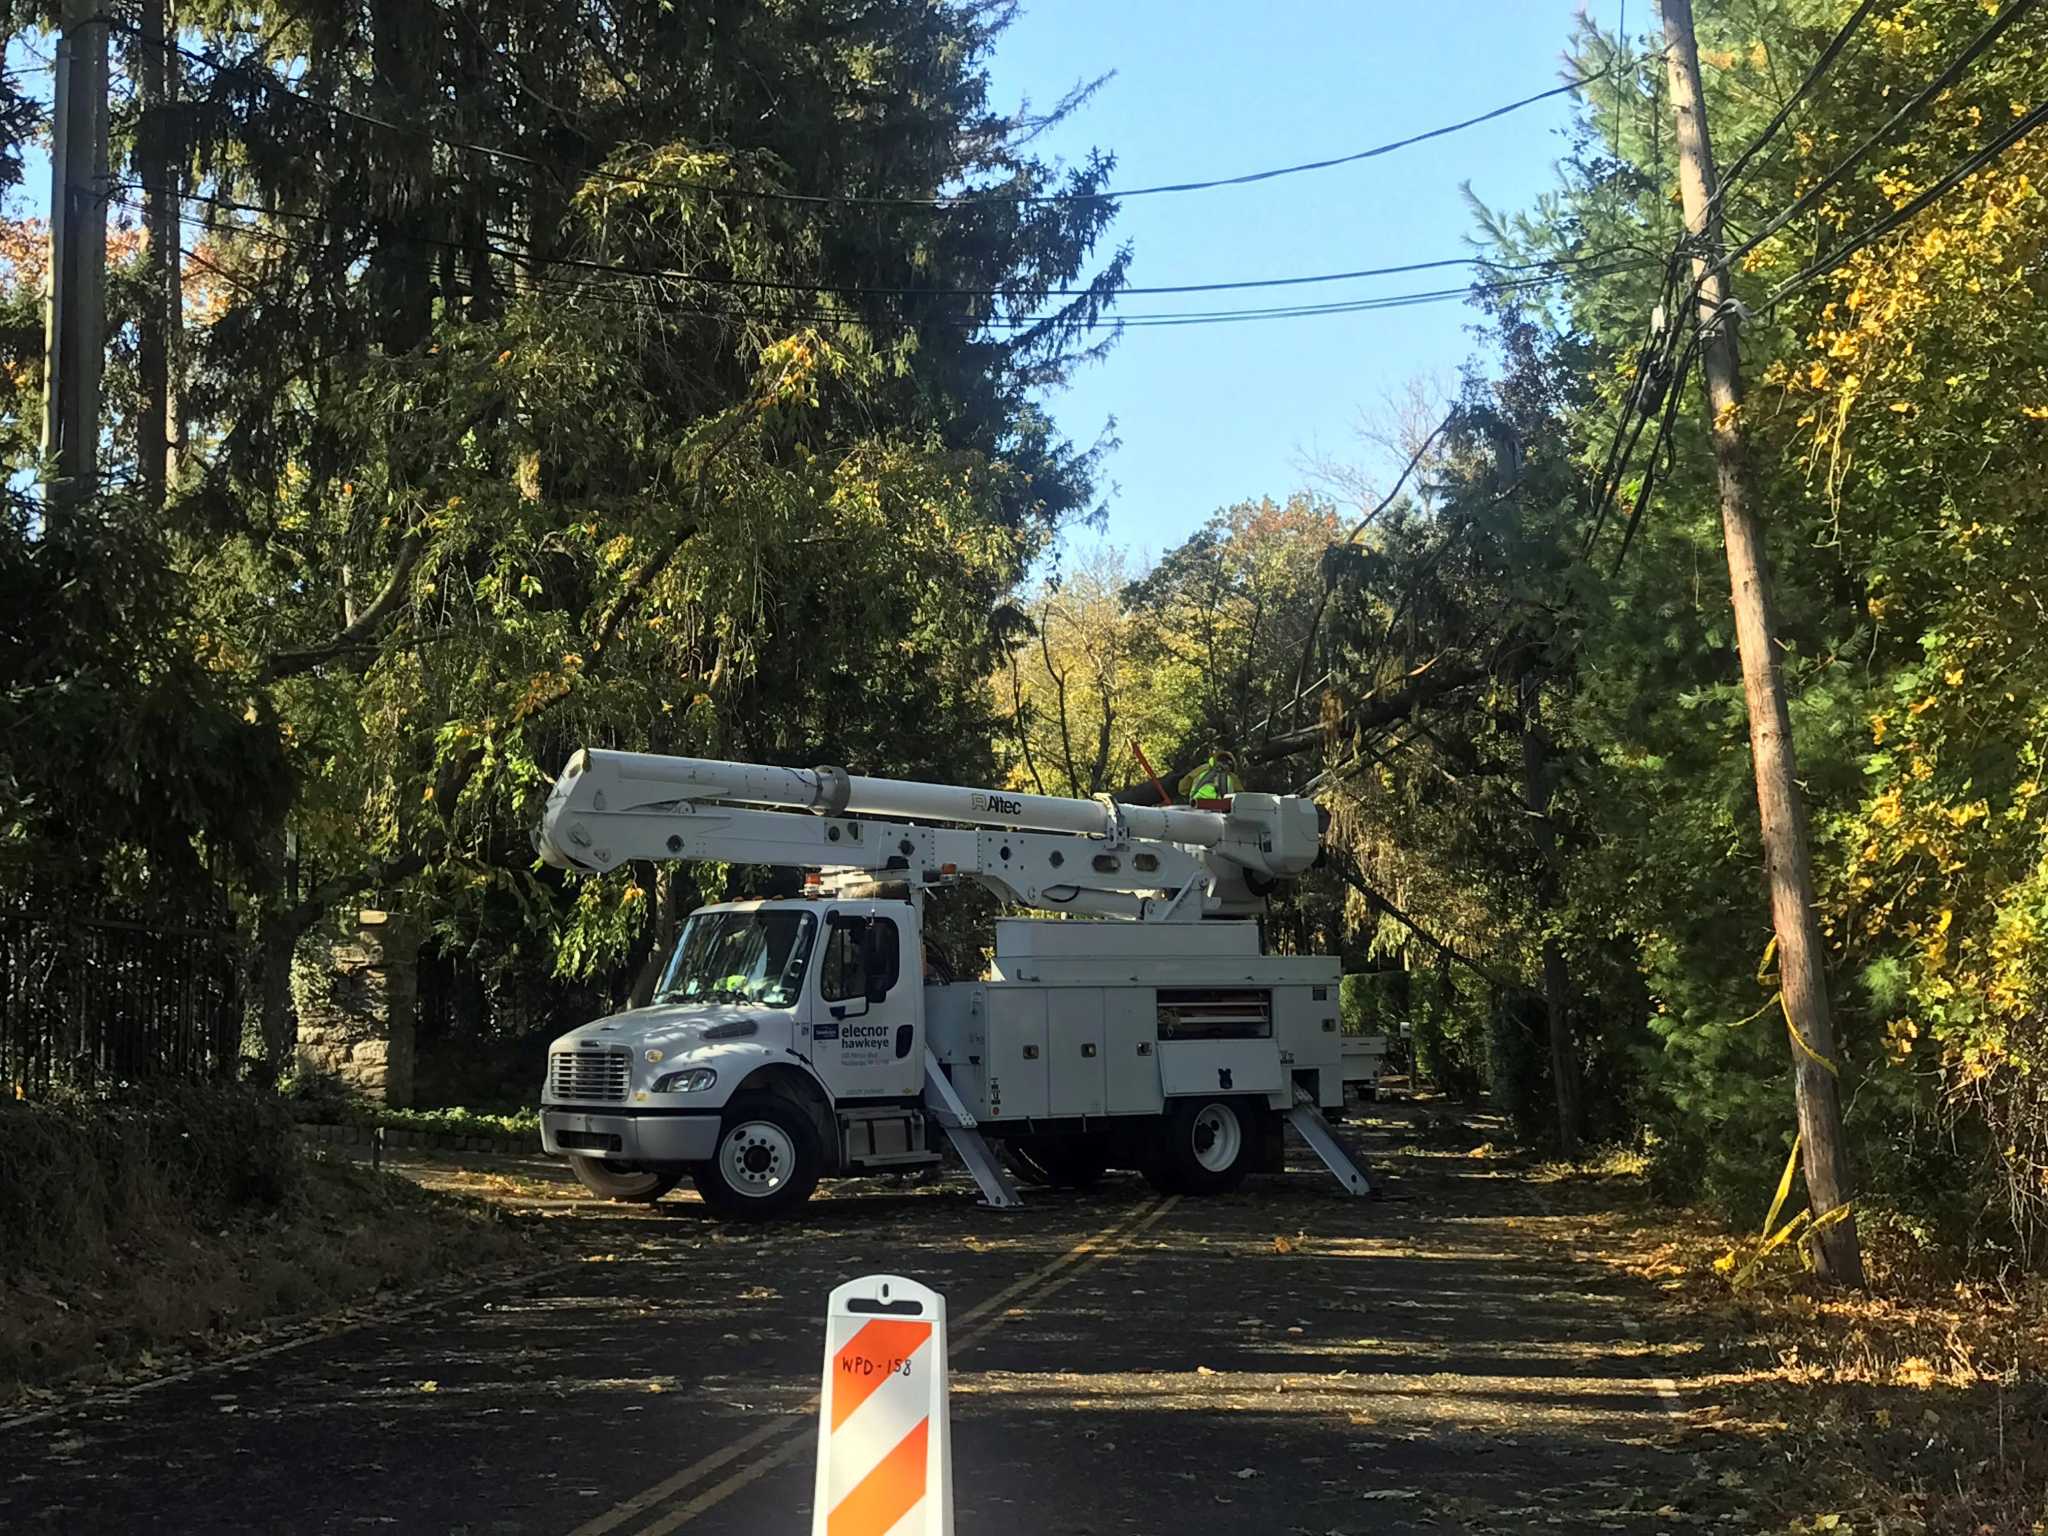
(1214, 781)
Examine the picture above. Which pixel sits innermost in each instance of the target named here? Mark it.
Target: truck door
(865, 1036)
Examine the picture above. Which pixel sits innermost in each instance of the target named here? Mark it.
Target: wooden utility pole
(1788, 863)
(161, 323)
(74, 314)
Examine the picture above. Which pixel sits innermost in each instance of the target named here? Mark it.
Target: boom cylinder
(834, 792)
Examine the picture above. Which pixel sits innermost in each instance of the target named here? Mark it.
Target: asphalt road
(1279, 1360)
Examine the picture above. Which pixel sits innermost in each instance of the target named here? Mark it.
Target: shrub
(81, 1174)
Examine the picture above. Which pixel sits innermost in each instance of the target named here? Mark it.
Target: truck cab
(784, 1040)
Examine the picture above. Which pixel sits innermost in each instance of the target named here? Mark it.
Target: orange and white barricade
(885, 1459)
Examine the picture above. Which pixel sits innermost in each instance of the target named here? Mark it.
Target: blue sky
(1209, 415)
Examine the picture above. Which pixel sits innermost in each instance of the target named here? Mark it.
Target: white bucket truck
(1142, 1026)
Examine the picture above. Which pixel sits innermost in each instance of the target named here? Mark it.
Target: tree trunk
(1787, 861)
(674, 893)
(267, 994)
(161, 320)
(405, 43)
(1537, 788)
(1564, 1054)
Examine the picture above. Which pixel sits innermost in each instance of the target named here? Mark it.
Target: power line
(1884, 226)
(856, 291)
(1821, 66)
(1653, 371)
(1929, 92)
(1826, 264)
(849, 199)
(1554, 263)
(862, 291)
(1675, 391)
(1145, 318)
(1152, 319)
(1932, 89)
(1618, 462)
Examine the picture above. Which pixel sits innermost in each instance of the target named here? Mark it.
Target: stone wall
(354, 984)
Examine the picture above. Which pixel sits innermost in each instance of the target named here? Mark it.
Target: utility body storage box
(1085, 1019)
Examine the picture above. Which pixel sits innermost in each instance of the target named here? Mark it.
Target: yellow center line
(669, 1486)
(1074, 1260)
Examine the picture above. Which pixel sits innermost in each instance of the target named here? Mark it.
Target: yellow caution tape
(1784, 1185)
(1829, 1218)
(1769, 1003)
(1800, 1041)
(1776, 1242)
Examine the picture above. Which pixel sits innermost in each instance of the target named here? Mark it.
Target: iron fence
(461, 999)
(88, 1002)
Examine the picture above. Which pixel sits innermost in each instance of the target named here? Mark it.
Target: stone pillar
(355, 984)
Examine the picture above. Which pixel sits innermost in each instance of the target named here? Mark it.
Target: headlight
(692, 1080)
(654, 1055)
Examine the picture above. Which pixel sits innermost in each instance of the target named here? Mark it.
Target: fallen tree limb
(291, 663)
(1347, 871)
(1425, 684)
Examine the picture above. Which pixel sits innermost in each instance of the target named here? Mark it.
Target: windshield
(742, 957)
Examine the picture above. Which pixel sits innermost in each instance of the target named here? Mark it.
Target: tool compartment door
(1077, 1080)
(1018, 1082)
(1131, 1048)
(1218, 1040)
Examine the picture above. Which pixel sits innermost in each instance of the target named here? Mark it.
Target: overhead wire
(1688, 340)
(1941, 82)
(1653, 360)
(866, 291)
(1563, 265)
(841, 313)
(941, 204)
(1821, 66)
(1813, 272)
(1674, 393)
(1835, 258)
(1694, 334)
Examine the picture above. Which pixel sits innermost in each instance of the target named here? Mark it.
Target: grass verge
(136, 1235)
(321, 1102)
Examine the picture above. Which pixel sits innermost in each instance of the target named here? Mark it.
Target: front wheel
(1206, 1147)
(767, 1163)
(622, 1181)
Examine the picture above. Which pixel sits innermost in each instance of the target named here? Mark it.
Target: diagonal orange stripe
(886, 1494)
(865, 1362)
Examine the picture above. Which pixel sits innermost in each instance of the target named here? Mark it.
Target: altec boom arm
(1158, 863)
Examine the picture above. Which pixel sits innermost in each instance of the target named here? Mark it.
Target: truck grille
(589, 1076)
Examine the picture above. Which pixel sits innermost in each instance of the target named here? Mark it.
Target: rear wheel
(1207, 1147)
(767, 1162)
(1055, 1162)
(622, 1181)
